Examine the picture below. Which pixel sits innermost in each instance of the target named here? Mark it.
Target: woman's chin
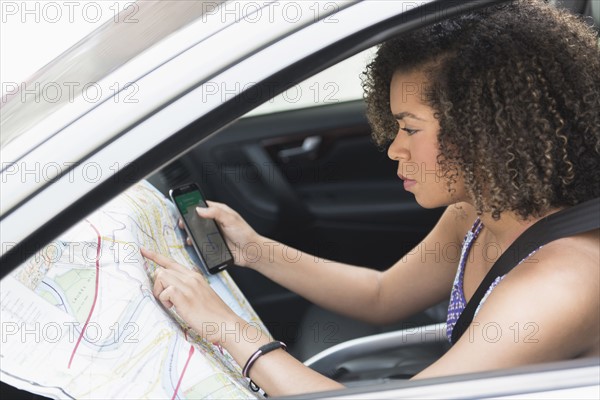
(430, 203)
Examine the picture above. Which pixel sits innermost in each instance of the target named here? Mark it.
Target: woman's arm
(422, 278)
(276, 372)
(352, 290)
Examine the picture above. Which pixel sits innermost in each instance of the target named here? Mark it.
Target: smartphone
(206, 236)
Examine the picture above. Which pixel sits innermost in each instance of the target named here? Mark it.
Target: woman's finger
(188, 241)
(221, 206)
(163, 278)
(207, 212)
(161, 260)
(166, 296)
(218, 204)
(217, 211)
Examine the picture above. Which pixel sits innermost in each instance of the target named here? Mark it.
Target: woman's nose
(398, 148)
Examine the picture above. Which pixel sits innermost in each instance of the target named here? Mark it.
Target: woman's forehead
(407, 94)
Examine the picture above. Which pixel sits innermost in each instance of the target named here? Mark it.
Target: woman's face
(415, 146)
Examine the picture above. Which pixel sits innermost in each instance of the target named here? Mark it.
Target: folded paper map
(79, 319)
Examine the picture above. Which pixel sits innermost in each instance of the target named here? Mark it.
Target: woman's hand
(243, 241)
(278, 373)
(195, 301)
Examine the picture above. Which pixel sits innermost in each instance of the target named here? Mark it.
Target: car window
(338, 83)
(80, 70)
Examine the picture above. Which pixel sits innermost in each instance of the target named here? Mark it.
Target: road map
(79, 319)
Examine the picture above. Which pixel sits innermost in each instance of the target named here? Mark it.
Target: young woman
(504, 105)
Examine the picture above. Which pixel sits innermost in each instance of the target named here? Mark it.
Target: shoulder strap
(581, 218)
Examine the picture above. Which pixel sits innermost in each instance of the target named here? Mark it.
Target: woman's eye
(410, 131)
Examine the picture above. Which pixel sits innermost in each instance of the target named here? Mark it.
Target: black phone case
(188, 188)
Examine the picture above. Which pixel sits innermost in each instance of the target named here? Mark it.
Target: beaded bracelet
(256, 355)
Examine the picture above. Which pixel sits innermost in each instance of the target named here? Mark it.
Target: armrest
(327, 361)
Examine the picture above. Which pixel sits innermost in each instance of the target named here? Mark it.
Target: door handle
(307, 151)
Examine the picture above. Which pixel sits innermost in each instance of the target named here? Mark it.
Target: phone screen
(205, 234)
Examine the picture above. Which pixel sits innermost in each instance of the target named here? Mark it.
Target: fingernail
(200, 209)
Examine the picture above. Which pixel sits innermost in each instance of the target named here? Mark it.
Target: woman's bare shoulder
(572, 264)
(564, 265)
(564, 275)
(577, 256)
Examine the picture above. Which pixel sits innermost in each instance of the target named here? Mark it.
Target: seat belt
(571, 221)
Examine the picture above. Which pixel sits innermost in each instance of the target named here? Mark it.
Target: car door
(318, 183)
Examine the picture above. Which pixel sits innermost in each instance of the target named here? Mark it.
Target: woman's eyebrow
(405, 114)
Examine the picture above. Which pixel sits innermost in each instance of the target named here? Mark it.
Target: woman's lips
(408, 183)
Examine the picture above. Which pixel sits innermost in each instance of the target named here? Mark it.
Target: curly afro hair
(516, 90)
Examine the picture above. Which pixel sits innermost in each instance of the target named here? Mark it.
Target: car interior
(311, 178)
(340, 200)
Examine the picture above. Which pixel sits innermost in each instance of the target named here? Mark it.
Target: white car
(175, 96)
